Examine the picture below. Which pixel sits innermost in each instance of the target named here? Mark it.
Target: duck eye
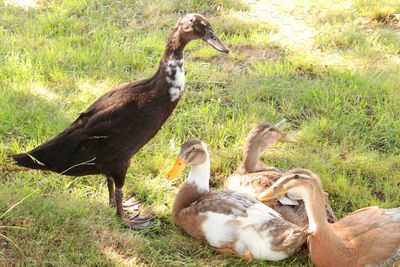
(296, 176)
(193, 148)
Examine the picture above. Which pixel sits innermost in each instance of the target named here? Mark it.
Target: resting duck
(103, 139)
(230, 221)
(253, 176)
(367, 237)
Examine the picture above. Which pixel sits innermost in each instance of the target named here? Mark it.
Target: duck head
(195, 26)
(264, 135)
(193, 153)
(297, 183)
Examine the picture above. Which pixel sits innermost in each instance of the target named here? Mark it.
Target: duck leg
(136, 222)
(226, 251)
(247, 256)
(130, 205)
(111, 192)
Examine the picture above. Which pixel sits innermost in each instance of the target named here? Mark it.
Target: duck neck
(251, 158)
(316, 211)
(324, 244)
(171, 66)
(175, 46)
(196, 185)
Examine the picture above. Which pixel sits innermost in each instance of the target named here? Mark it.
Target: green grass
(340, 98)
(376, 9)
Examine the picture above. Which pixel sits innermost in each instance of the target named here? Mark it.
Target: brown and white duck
(230, 221)
(103, 138)
(367, 237)
(253, 176)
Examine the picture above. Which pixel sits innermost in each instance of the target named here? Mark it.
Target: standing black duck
(103, 139)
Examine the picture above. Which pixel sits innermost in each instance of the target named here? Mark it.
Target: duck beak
(288, 139)
(214, 41)
(178, 168)
(271, 193)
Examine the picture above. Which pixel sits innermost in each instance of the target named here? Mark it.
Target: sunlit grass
(376, 9)
(340, 97)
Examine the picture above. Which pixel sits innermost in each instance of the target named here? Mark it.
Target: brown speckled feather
(228, 219)
(255, 183)
(253, 176)
(287, 237)
(223, 201)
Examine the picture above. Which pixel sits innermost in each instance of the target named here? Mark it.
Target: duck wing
(224, 205)
(252, 183)
(98, 122)
(224, 202)
(374, 233)
(231, 219)
(217, 215)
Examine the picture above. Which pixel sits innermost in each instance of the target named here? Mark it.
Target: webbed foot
(137, 222)
(131, 205)
(248, 256)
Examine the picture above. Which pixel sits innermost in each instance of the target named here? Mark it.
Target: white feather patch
(218, 233)
(285, 200)
(259, 245)
(243, 232)
(199, 175)
(175, 78)
(255, 241)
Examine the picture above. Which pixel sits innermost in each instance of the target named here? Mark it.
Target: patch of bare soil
(261, 52)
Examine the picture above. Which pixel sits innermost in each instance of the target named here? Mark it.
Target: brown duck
(367, 237)
(103, 139)
(253, 176)
(230, 221)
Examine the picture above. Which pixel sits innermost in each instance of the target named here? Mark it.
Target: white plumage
(176, 78)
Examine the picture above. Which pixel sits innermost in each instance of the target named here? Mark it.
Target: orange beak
(177, 169)
(272, 192)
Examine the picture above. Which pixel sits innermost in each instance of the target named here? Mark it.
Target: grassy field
(340, 97)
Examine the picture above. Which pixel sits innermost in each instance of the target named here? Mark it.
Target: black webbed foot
(131, 205)
(137, 222)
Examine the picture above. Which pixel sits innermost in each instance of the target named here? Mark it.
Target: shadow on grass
(79, 228)
(63, 229)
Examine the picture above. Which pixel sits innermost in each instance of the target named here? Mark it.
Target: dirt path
(293, 31)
